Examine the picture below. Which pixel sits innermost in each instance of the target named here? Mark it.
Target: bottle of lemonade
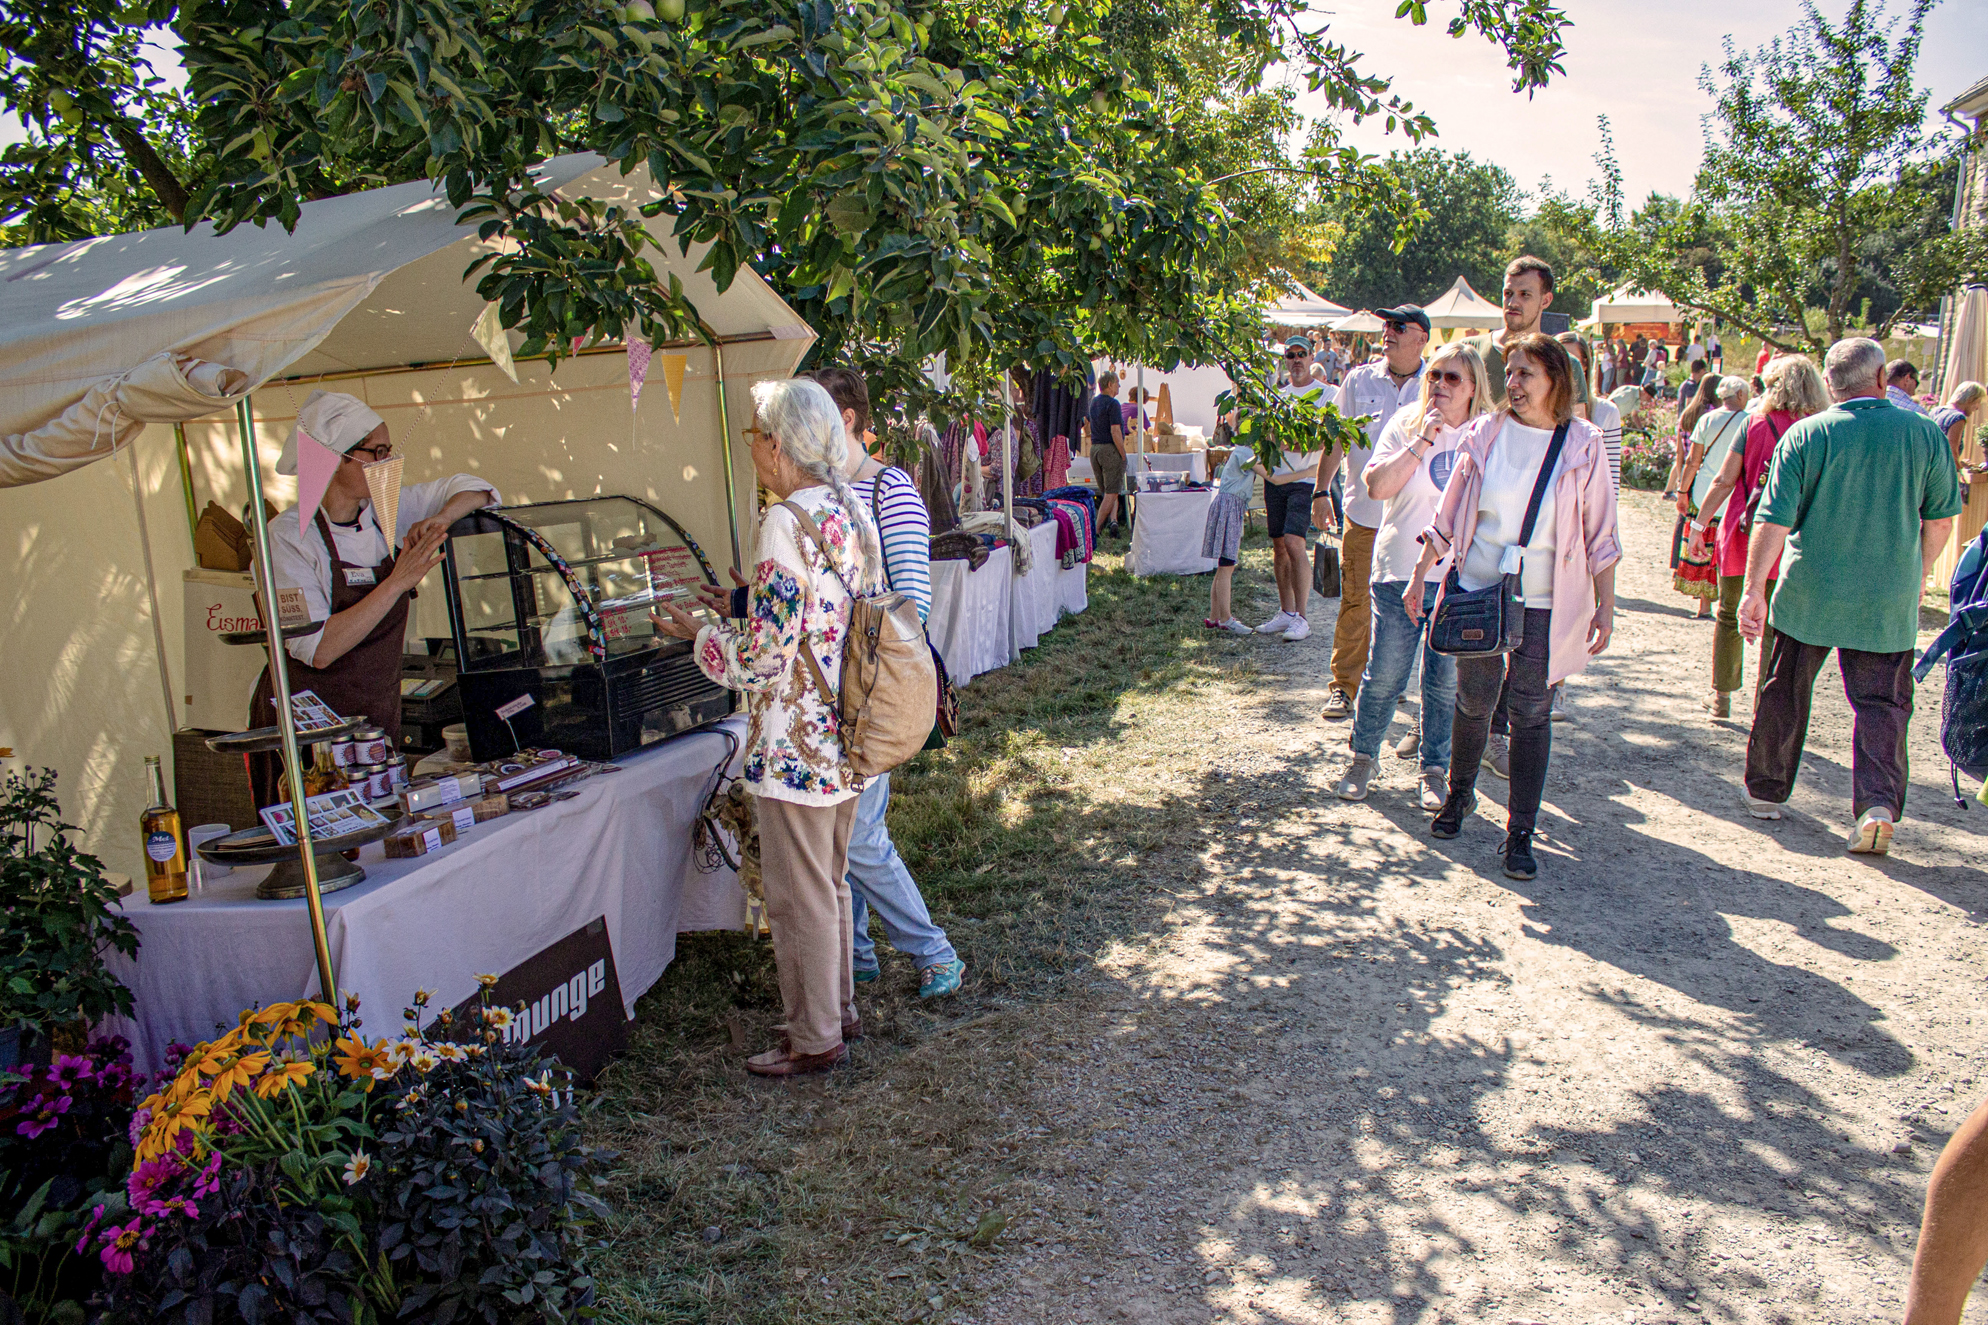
(165, 843)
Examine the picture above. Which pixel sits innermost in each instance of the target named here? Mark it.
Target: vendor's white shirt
(302, 561)
(1509, 474)
(1369, 390)
(1405, 515)
(1298, 462)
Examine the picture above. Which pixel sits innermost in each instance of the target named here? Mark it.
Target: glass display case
(549, 606)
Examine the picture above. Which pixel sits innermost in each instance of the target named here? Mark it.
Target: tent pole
(725, 445)
(186, 479)
(1008, 502)
(279, 675)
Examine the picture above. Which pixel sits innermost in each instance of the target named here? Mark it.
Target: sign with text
(565, 1001)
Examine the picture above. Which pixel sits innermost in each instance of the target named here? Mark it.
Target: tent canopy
(168, 325)
(1361, 323)
(1629, 304)
(1306, 308)
(1461, 306)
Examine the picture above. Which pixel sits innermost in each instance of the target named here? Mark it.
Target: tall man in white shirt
(1375, 389)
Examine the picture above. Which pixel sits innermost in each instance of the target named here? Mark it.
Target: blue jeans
(879, 881)
(1390, 659)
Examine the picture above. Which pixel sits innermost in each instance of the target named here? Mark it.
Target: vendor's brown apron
(365, 680)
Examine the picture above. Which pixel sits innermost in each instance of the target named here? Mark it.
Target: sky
(1633, 60)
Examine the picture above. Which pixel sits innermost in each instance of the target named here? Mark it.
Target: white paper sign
(506, 712)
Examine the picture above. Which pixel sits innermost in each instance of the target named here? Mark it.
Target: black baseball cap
(1406, 313)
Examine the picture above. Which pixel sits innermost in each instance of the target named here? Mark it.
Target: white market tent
(1304, 308)
(104, 336)
(1627, 304)
(1462, 308)
(1361, 323)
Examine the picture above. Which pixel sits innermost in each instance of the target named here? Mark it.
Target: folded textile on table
(1077, 525)
(992, 522)
(957, 545)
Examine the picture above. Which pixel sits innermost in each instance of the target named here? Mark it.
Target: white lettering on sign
(511, 710)
(569, 999)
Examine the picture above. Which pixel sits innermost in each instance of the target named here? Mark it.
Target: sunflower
(303, 1014)
(281, 1077)
(272, 1015)
(172, 1118)
(362, 1062)
(238, 1070)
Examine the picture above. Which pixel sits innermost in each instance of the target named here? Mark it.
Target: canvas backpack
(1964, 646)
(889, 687)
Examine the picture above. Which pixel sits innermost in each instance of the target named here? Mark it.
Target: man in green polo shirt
(1863, 497)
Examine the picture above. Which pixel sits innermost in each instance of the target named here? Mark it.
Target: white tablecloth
(969, 621)
(1038, 597)
(1166, 537)
(500, 893)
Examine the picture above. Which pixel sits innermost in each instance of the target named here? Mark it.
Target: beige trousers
(1353, 632)
(804, 865)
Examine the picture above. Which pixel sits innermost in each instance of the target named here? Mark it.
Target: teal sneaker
(867, 975)
(942, 979)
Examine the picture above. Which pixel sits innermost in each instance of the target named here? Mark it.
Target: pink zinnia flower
(47, 1110)
(121, 1246)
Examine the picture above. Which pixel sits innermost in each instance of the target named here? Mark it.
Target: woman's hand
(1602, 628)
(1683, 500)
(418, 555)
(674, 622)
(718, 601)
(1411, 601)
(1695, 546)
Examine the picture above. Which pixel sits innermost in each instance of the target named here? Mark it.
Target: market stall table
(969, 621)
(502, 892)
(1166, 536)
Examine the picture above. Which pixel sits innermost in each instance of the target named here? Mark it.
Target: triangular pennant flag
(383, 481)
(489, 333)
(316, 463)
(638, 370)
(673, 365)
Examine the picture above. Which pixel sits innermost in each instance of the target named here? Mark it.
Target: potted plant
(57, 920)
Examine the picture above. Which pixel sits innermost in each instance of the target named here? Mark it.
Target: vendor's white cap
(339, 421)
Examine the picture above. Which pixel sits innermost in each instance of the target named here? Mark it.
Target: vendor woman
(350, 577)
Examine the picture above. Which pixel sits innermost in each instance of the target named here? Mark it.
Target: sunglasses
(1445, 375)
(1398, 327)
(1297, 354)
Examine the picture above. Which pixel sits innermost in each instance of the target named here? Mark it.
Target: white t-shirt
(303, 562)
(1369, 390)
(1509, 474)
(1405, 515)
(1718, 431)
(1693, 351)
(1297, 462)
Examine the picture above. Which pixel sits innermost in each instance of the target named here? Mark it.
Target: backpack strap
(833, 698)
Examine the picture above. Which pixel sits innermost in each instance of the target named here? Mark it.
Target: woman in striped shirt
(878, 878)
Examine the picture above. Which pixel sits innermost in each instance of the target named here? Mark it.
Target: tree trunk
(139, 152)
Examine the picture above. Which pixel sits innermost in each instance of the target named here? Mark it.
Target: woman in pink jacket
(1567, 570)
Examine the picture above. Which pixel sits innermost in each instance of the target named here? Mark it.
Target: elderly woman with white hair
(346, 571)
(816, 549)
(1712, 439)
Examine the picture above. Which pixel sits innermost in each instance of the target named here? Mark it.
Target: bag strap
(833, 698)
(1539, 483)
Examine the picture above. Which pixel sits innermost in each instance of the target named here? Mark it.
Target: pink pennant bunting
(638, 370)
(316, 463)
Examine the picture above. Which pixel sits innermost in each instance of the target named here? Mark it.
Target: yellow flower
(357, 1167)
(272, 1015)
(541, 1084)
(450, 1052)
(487, 981)
(363, 1062)
(170, 1119)
(421, 997)
(281, 1078)
(238, 1070)
(401, 1050)
(303, 1014)
(425, 1059)
(497, 1019)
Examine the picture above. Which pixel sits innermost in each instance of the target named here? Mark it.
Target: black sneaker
(1449, 819)
(1517, 851)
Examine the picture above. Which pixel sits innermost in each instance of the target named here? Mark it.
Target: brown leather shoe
(783, 1062)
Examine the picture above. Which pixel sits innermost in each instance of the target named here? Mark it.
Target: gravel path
(1698, 1069)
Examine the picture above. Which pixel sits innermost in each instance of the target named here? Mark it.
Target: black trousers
(1879, 688)
(1520, 678)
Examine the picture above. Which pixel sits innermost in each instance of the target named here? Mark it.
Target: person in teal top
(1863, 497)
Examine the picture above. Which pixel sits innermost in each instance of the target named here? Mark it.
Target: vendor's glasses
(1443, 375)
(371, 454)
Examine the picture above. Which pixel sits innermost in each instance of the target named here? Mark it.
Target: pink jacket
(1583, 529)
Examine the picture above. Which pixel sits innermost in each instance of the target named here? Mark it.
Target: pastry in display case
(549, 607)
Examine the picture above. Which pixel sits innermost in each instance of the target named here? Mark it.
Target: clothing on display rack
(1059, 411)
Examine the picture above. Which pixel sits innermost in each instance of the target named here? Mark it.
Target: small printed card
(312, 714)
(334, 814)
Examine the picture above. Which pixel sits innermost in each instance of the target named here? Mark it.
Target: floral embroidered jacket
(793, 746)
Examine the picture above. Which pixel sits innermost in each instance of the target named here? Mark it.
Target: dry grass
(1053, 826)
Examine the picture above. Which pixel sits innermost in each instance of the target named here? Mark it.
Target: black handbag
(1491, 620)
(1325, 570)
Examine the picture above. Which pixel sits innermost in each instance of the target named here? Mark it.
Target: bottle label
(161, 847)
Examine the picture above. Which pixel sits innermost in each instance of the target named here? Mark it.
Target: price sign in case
(550, 604)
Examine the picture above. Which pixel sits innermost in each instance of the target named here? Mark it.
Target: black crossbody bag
(1491, 620)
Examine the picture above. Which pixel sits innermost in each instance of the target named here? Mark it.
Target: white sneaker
(1760, 809)
(1872, 835)
(1353, 786)
(1276, 625)
(1557, 711)
(1235, 627)
(1302, 630)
